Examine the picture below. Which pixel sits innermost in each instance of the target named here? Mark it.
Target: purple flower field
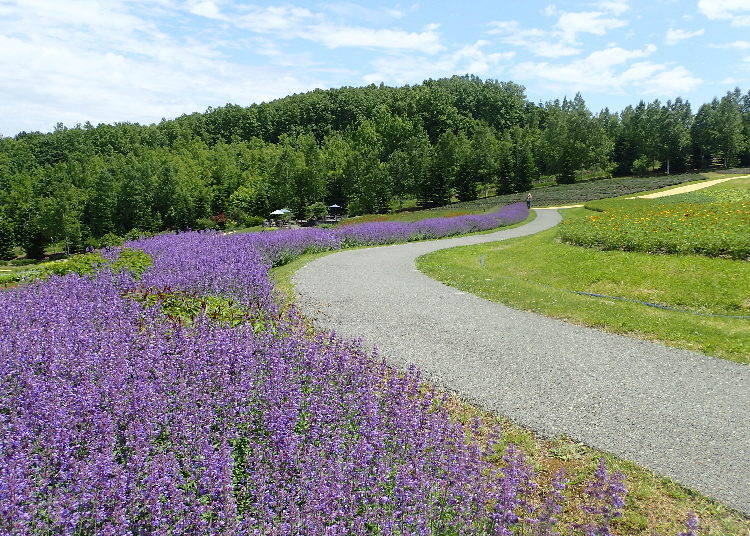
(118, 419)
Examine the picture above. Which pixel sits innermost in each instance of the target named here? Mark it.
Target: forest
(362, 148)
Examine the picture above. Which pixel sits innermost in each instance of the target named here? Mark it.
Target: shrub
(201, 224)
(317, 211)
(252, 221)
(110, 240)
(641, 166)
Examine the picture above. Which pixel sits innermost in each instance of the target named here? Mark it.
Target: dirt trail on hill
(678, 413)
(666, 193)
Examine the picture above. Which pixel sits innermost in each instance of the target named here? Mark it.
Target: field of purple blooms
(119, 415)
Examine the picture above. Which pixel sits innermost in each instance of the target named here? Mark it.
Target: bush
(252, 221)
(80, 264)
(641, 166)
(134, 261)
(202, 224)
(110, 240)
(317, 211)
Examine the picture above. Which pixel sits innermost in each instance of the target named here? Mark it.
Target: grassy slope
(712, 221)
(655, 505)
(537, 272)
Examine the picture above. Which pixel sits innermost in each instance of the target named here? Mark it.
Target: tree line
(361, 148)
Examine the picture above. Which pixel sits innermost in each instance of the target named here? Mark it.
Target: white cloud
(105, 62)
(562, 39)
(667, 81)
(739, 45)
(408, 68)
(331, 36)
(536, 41)
(737, 11)
(593, 22)
(675, 36)
(288, 22)
(607, 70)
(618, 7)
(205, 8)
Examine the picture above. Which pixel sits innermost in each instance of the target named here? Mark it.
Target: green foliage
(317, 211)
(186, 308)
(641, 166)
(202, 224)
(252, 221)
(84, 264)
(134, 261)
(361, 148)
(7, 239)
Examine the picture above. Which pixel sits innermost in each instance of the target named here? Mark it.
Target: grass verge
(537, 273)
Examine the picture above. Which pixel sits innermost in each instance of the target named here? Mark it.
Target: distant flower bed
(714, 227)
(130, 405)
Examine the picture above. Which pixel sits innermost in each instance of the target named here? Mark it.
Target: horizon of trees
(357, 147)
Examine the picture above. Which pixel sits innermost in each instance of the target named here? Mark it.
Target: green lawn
(537, 273)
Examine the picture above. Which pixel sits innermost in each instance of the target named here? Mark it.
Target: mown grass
(538, 273)
(712, 222)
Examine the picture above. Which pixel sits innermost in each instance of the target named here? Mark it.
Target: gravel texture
(678, 413)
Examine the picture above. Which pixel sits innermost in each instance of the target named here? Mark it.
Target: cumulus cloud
(736, 11)
(473, 59)
(675, 36)
(562, 39)
(534, 40)
(609, 70)
(592, 22)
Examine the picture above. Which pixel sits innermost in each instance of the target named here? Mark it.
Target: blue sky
(141, 60)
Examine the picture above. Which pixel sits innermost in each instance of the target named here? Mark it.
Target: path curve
(679, 413)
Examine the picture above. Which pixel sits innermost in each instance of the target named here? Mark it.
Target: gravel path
(679, 413)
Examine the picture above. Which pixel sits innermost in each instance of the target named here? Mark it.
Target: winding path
(679, 413)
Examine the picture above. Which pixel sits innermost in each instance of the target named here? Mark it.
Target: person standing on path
(528, 200)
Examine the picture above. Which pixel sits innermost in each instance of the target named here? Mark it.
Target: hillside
(357, 147)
